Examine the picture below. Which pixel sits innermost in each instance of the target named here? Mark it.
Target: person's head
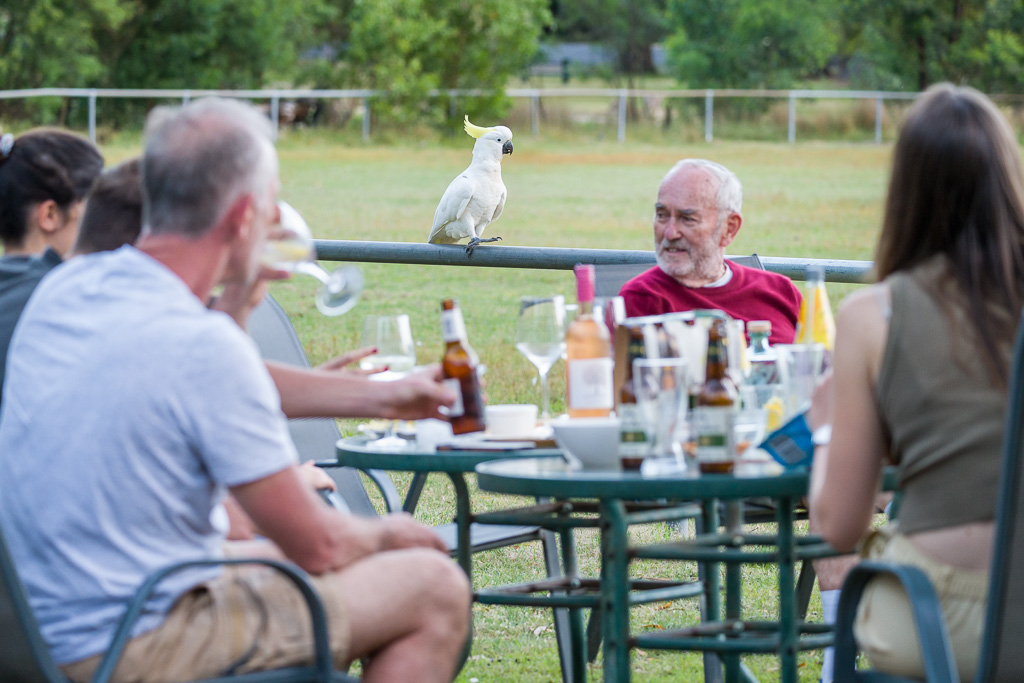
(696, 217)
(957, 189)
(44, 177)
(113, 210)
(211, 166)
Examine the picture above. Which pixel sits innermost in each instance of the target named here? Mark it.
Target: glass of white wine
(540, 336)
(290, 247)
(391, 335)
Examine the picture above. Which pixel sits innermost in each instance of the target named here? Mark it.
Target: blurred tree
(409, 47)
(629, 29)
(208, 43)
(750, 43)
(914, 43)
(52, 43)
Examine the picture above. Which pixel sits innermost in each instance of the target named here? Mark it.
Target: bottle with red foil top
(588, 355)
(459, 369)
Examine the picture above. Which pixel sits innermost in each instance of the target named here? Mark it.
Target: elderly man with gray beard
(697, 215)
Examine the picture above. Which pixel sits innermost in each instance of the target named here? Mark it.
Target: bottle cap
(584, 282)
(759, 327)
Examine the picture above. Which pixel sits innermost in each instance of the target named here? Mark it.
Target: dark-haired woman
(45, 175)
(920, 369)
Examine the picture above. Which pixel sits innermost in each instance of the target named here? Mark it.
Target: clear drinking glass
(290, 247)
(391, 335)
(661, 391)
(540, 336)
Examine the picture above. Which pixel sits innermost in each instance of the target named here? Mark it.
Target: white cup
(511, 420)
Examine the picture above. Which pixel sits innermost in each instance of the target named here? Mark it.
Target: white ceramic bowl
(591, 441)
(517, 420)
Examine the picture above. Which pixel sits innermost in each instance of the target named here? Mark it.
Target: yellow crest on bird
(474, 130)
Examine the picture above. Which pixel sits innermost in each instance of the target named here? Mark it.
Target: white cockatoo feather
(476, 197)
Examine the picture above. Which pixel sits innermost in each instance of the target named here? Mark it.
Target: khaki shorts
(884, 627)
(250, 618)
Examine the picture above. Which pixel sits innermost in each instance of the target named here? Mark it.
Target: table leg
(788, 627)
(463, 518)
(733, 587)
(615, 591)
(577, 672)
(711, 602)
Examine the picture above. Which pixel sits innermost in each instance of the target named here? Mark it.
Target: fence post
(878, 118)
(92, 116)
(709, 115)
(622, 115)
(186, 97)
(275, 110)
(535, 114)
(792, 117)
(366, 119)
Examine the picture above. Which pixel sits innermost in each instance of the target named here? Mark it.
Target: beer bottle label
(452, 326)
(458, 409)
(714, 428)
(590, 383)
(632, 437)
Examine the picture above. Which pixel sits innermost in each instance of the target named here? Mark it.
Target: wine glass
(391, 335)
(660, 385)
(290, 247)
(540, 336)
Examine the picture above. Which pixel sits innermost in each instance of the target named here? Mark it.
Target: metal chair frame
(25, 657)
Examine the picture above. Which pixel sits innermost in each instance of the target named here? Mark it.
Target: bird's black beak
(506, 148)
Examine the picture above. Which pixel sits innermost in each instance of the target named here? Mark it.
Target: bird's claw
(473, 243)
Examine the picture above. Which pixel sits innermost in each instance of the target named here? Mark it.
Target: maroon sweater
(751, 294)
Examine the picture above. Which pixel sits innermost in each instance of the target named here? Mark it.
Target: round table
(613, 490)
(354, 451)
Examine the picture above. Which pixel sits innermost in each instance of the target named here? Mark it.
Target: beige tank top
(944, 415)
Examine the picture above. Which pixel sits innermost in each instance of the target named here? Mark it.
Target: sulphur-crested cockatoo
(476, 197)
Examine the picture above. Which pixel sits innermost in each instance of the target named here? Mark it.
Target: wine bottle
(459, 369)
(588, 355)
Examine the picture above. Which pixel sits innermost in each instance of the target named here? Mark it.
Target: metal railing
(552, 258)
(534, 95)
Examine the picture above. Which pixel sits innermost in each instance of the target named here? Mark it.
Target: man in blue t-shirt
(132, 410)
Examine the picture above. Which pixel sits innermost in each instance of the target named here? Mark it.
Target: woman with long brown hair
(920, 373)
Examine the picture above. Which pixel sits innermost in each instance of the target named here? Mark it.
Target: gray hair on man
(199, 159)
(730, 191)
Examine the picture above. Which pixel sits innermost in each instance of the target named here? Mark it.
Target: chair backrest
(1002, 658)
(274, 334)
(24, 656)
(609, 278)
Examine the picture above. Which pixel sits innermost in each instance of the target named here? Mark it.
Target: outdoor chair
(25, 657)
(315, 438)
(1001, 659)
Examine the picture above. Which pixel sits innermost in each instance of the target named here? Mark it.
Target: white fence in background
(534, 95)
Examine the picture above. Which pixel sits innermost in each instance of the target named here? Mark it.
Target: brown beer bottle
(632, 435)
(459, 368)
(715, 411)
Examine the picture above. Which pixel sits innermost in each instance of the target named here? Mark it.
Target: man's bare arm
(317, 537)
(326, 393)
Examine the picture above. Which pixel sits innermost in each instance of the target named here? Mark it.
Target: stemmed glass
(660, 385)
(540, 336)
(290, 247)
(391, 335)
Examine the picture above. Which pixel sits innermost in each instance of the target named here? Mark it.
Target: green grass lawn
(809, 200)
